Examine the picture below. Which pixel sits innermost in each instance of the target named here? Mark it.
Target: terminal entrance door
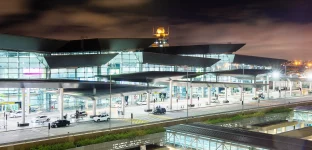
(8, 106)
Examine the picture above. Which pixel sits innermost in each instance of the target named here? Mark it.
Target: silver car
(40, 119)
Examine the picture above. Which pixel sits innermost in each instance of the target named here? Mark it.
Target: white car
(16, 114)
(41, 119)
(141, 103)
(102, 117)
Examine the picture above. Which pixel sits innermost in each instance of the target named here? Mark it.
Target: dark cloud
(269, 28)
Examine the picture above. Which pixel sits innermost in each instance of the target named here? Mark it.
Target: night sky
(270, 28)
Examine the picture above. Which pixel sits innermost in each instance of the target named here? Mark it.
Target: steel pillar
(27, 103)
(148, 101)
(23, 105)
(209, 95)
(61, 103)
(94, 106)
(170, 92)
(268, 87)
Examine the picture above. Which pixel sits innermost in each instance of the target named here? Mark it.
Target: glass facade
(183, 140)
(32, 65)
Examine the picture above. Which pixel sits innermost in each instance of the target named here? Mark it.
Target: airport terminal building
(144, 63)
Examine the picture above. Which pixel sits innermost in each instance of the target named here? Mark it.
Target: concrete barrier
(93, 134)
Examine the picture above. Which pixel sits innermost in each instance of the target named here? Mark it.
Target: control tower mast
(162, 37)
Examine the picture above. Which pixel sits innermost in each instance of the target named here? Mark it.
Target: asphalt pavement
(40, 130)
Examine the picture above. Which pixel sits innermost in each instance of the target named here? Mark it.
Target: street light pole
(187, 95)
(243, 97)
(110, 99)
(243, 82)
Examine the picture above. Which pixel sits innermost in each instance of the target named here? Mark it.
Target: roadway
(15, 134)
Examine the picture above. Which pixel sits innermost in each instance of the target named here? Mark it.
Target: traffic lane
(33, 133)
(87, 126)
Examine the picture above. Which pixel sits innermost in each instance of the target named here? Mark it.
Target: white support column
(310, 86)
(61, 103)
(23, 105)
(274, 84)
(148, 101)
(263, 88)
(94, 102)
(170, 92)
(191, 94)
(290, 88)
(226, 93)
(254, 89)
(94, 106)
(27, 103)
(268, 86)
(209, 95)
(241, 93)
(123, 104)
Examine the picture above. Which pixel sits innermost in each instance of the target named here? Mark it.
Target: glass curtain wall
(20, 65)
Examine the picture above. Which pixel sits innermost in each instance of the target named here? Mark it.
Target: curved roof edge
(196, 49)
(255, 60)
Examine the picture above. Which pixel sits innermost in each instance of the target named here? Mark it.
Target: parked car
(60, 123)
(117, 104)
(142, 102)
(40, 119)
(260, 96)
(80, 114)
(16, 114)
(159, 110)
(102, 117)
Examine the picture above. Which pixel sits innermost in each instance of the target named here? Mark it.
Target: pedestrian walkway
(135, 121)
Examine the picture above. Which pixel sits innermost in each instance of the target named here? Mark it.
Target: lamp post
(186, 67)
(243, 83)
(110, 99)
(285, 80)
(243, 88)
(187, 95)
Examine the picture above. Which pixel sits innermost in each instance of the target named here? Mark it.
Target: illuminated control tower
(162, 37)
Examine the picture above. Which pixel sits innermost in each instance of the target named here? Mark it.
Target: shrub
(60, 146)
(119, 136)
(243, 116)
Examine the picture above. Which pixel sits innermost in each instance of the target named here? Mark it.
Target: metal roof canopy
(65, 61)
(106, 44)
(242, 72)
(176, 60)
(130, 90)
(57, 83)
(196, 49)
(150, 76)
(217, 84)
(243, 136)
(29, 44)
(294, 79)
(260, 61)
